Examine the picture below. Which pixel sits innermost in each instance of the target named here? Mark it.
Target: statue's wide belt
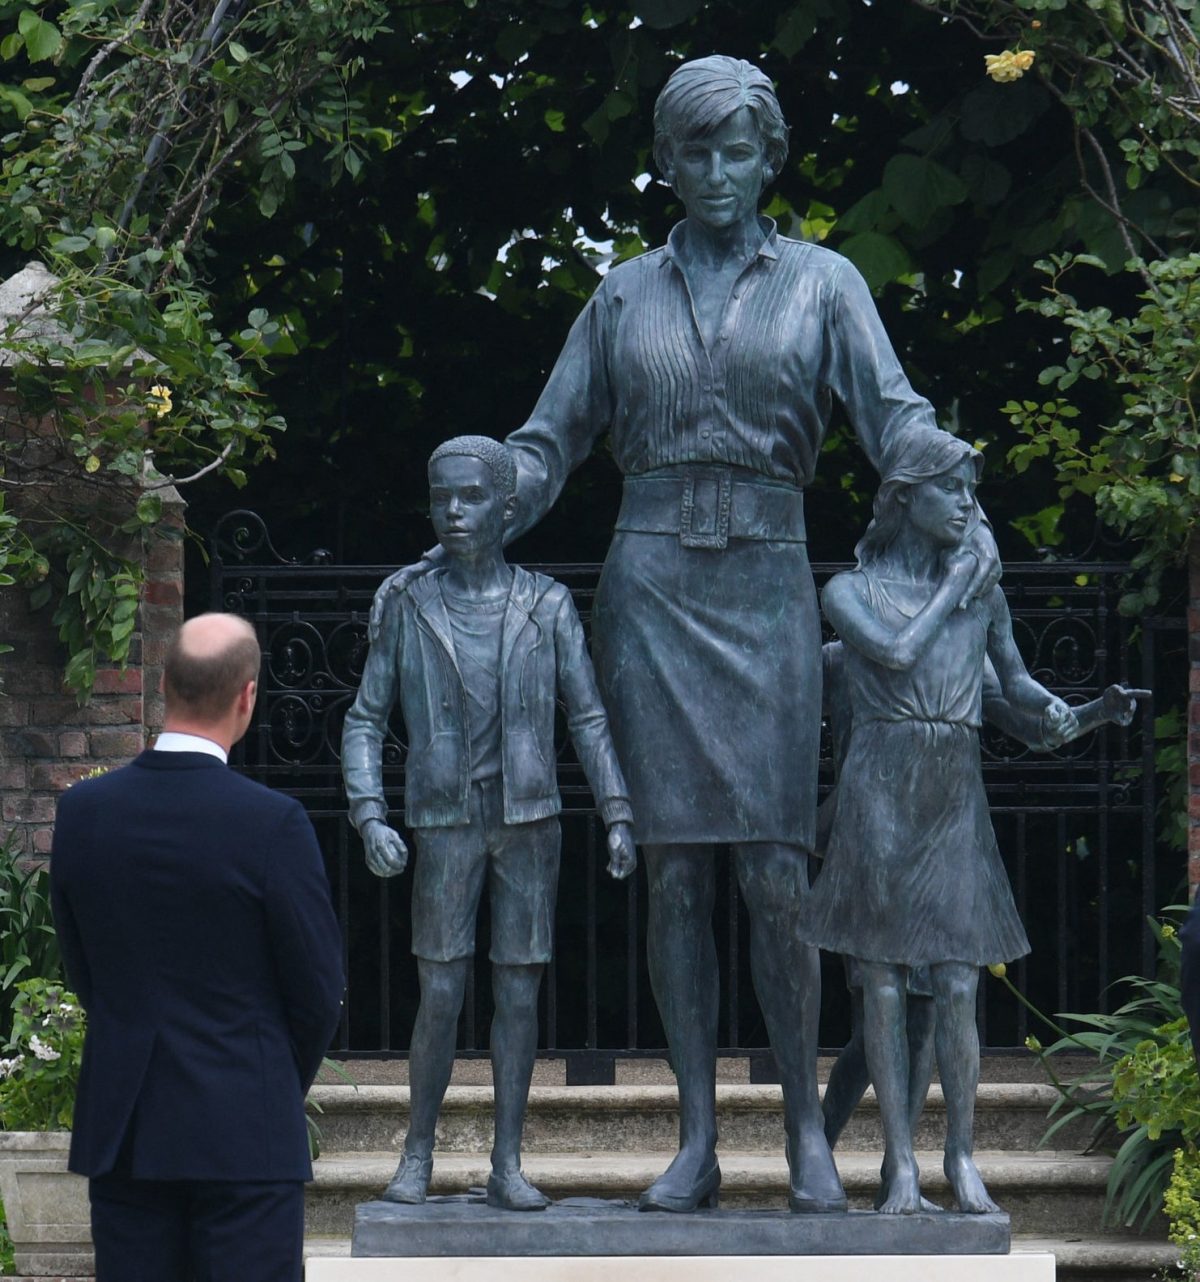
(707, 506)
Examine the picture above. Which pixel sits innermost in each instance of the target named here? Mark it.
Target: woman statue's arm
(867, 377)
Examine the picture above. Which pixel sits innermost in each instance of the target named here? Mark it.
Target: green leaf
(661, 14)
(11, 45)
(995, 114)
(238, 52)
(880, 258)
(917, 187)
(149, 509)
(21, 106)
(42, 39)
(866, 214)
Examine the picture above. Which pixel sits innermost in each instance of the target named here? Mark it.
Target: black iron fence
(1076, 826)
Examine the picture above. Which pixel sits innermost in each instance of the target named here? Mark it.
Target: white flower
(41, 1050)
(9, 1066)
(66, 1007)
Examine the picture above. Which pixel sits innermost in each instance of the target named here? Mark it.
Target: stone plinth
(467, 1227)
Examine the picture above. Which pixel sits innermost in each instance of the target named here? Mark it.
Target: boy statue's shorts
(521, 864)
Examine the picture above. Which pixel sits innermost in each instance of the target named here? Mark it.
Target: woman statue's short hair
(703, 93)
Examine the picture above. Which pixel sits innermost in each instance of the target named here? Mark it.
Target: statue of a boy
(474, 654)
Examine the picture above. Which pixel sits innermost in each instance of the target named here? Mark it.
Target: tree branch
(107, 51)
(195, 476)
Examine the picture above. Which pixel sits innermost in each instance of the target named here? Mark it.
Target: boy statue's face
(465, 505)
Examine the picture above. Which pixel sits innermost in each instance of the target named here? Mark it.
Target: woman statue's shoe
(511, 1191)
(411, 1181)
(668, 1193)
(821, 1192)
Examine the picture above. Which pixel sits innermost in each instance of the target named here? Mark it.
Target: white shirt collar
(173, 741)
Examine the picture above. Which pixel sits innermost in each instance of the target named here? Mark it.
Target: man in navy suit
(195, 921)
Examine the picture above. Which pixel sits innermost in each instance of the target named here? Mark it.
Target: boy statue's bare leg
(431, 1061)
(514, 1047)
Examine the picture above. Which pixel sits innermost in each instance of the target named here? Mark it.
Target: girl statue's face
(943, 507)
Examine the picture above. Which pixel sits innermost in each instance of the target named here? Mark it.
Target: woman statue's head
(701, 95)
(909, 460)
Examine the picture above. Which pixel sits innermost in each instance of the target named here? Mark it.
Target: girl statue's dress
(913, 875)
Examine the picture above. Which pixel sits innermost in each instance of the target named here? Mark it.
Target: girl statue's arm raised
(847, 607)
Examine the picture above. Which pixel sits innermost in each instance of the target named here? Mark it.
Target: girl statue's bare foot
(900, 1193)
(968, 1187)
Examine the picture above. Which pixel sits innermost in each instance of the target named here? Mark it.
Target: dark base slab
(589, 1227)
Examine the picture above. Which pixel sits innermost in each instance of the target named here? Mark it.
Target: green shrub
(1142, 1093)
(39, 1078)
(28, 944)
(1182, 1204)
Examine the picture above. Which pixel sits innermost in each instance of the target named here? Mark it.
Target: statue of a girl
(913, 877)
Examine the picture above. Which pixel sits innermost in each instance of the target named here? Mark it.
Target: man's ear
(512, 506)
(902, 495)
(247, 697)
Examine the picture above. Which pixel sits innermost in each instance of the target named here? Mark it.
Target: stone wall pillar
(1193, 744)
(47, 740)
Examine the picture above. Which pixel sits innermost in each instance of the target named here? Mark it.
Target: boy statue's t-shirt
(478, 627)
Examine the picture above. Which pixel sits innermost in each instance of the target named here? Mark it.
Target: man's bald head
(209, 661)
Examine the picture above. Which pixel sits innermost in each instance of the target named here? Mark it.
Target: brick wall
(1194, 715)
(47, 740)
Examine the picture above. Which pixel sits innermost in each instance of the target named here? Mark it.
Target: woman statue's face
(719, 176)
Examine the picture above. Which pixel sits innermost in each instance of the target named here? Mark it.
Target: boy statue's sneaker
(511, 1191)
(411, 1181)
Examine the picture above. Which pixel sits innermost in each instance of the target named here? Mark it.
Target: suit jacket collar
(151, 760)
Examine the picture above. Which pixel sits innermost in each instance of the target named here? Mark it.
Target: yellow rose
(160, 399)
(1009, 65)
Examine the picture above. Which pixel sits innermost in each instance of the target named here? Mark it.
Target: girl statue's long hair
(913, 457)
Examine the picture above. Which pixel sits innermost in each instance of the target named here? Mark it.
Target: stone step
(649, 1070)
(645, 1118)
(1051, 1194)
(1101, 1258)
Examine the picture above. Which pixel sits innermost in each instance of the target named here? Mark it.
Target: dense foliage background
(387, 215)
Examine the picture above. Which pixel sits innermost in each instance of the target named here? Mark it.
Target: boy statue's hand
(387, 855)
(622, 854)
